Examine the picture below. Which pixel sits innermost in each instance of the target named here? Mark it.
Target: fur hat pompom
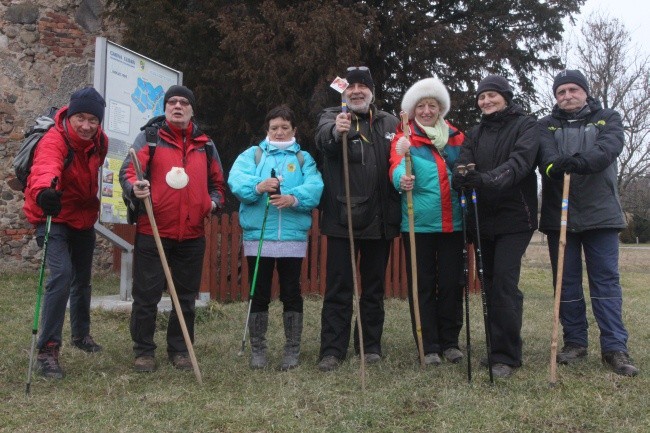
(426, 88)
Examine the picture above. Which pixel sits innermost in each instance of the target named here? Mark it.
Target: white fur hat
(427, 88)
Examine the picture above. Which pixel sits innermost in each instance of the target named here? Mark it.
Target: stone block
(23, 13)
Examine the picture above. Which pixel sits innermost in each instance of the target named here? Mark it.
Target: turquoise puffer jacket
(303, 182)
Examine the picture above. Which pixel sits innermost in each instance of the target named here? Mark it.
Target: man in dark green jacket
(376, 216)
(583, 139)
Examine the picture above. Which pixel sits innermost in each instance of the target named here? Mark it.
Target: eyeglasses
(183, 102)
(360, 68)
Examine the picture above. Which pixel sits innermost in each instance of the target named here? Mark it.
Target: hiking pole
(558, 276)
(170, 282)
(348, 205)
(463, 204)
(479, 259)
(414, 266)
(39, 295)
(257, 264)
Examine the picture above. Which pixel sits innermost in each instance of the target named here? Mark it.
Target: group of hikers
(397, 177)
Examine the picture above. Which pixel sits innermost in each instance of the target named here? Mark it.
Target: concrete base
(113, 303)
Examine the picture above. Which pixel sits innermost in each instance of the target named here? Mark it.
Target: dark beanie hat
(87, 100)
(362, 76)
(497, 84)
(571, 76)
(183, 91)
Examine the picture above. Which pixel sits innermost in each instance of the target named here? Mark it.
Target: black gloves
(573, 164)
(50, 201)
(471, 179)
(457, 180)
(554, 172)
(567, 164)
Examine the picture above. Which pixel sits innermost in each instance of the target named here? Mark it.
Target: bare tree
(619, 76)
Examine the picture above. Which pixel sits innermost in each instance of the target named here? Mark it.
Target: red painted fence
(225, 271)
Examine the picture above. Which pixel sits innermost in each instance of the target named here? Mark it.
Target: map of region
(146, 97)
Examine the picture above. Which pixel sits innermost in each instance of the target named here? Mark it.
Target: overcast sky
(635, 14)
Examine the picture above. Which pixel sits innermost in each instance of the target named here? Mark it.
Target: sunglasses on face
(357, 68)
(174, 101)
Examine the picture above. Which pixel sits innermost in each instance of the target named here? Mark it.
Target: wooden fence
(225, 270)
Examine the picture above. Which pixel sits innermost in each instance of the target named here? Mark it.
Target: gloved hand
(571, 164)
(50, 201)
(457, 180)
(473, 179)
(554, 172)
(402, 146)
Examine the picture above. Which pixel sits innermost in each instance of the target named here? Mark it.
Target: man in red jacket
(74, 207)
(185, 181)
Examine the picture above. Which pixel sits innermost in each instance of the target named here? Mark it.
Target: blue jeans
(601, 257)
(69, 260)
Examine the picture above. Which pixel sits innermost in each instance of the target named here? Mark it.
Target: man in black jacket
(584, 139)
(376, 216)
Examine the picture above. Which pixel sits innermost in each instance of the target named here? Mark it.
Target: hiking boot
(292, 332)
(620, 363)
(47, 361)
(502, 371)
(570, 353)
(258, 324)
(371, 358)
(329, 363)
(432, 359)
(144, 364)
(181, 361)
(87, 344)
(453, 355)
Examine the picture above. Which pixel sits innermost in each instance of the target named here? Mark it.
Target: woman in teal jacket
(278, 175)
(434, 145)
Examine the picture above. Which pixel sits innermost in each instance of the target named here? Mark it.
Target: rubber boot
(258, 323)
(292, 332)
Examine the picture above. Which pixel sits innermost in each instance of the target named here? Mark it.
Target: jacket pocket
(361, 211)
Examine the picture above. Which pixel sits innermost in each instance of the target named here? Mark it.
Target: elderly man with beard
(376, 215)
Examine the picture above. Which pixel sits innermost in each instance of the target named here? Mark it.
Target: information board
(133, 87)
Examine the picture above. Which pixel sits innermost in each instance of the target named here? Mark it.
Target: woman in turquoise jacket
(279, 176)
(434, 145)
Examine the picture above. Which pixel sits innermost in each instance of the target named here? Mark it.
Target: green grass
(101, 393)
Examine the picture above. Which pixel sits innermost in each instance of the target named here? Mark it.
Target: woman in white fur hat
(434, 144)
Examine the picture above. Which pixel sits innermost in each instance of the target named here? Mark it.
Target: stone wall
(46, 53)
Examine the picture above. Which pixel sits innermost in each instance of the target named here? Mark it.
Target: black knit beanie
(183, 91)
(571, 76)
(87, 100)
(362, 76)
(497, 84)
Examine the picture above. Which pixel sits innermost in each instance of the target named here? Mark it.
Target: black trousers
(336, 316)
(502, 268)
(185, 260)
(288, 275)
(439, 258)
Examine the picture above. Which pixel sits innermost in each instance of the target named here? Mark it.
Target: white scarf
(282, 145)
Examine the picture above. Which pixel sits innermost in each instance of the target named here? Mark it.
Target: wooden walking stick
(414, 266)
(353, 262)
(558, 277)
(170, 282)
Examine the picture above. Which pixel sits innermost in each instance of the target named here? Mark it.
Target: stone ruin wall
(47, 51)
